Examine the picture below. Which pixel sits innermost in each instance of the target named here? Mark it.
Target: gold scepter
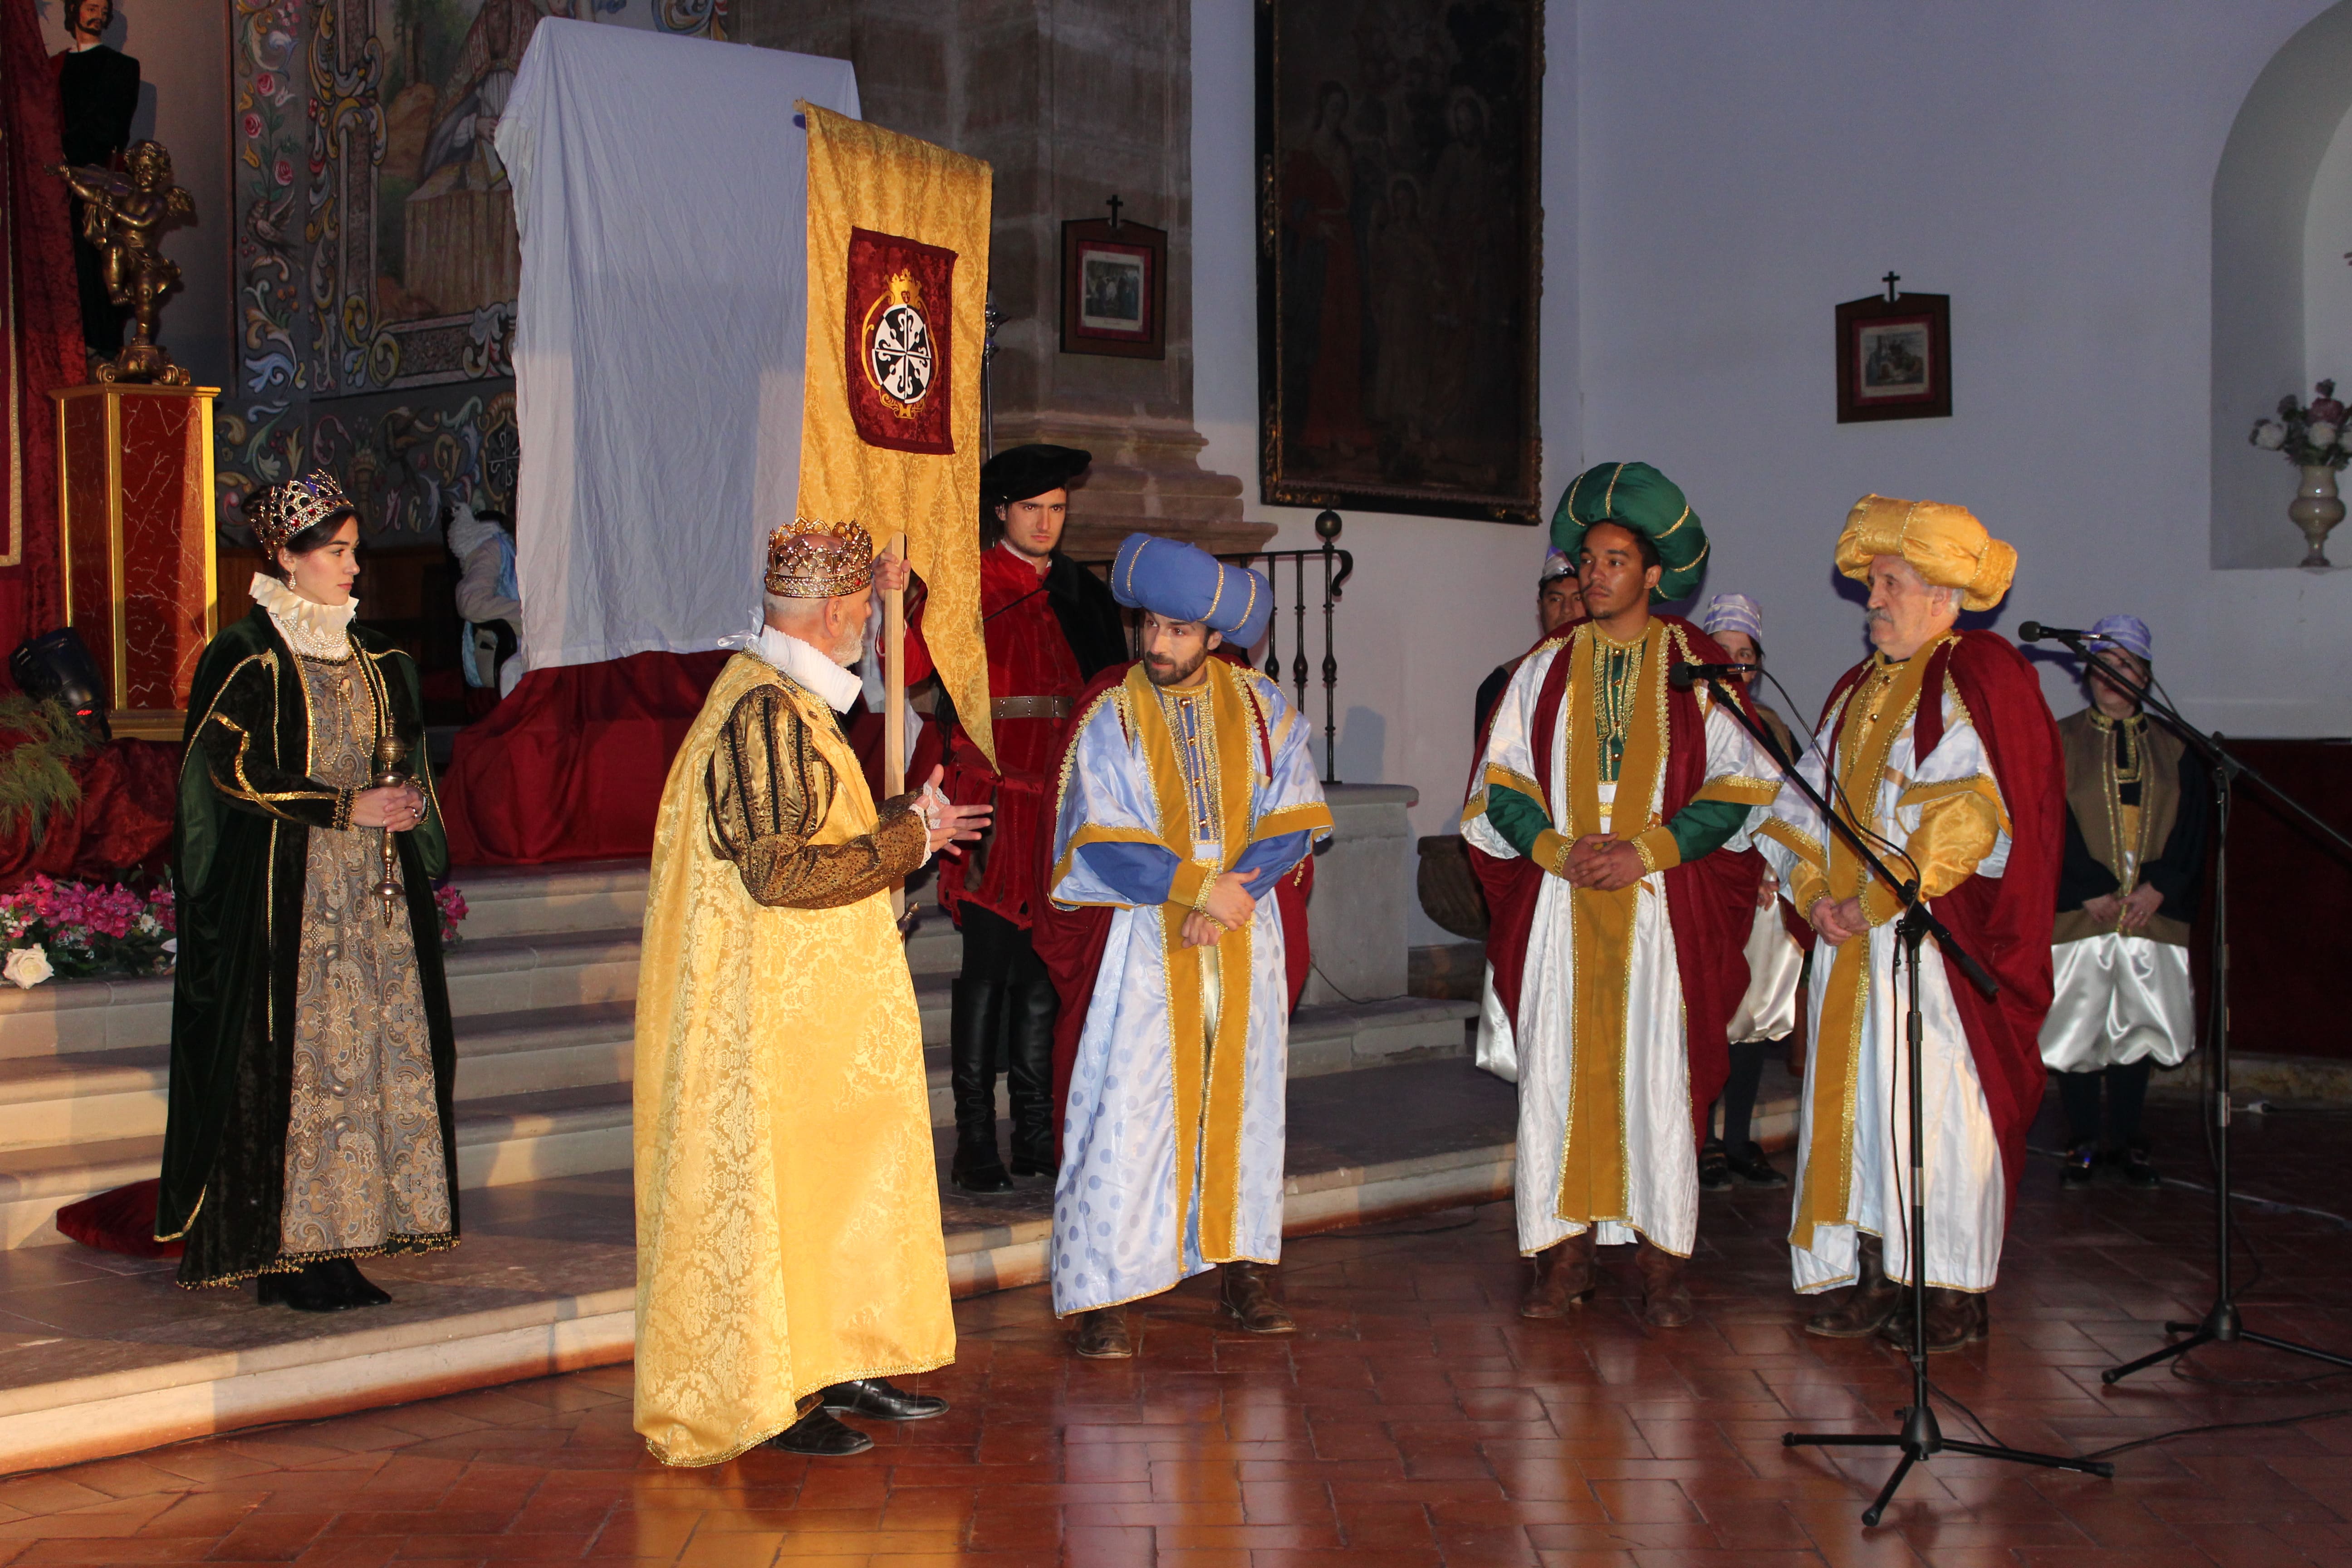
(390, 771)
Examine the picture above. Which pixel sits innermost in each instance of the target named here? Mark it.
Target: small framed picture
(1114, 290)
(1894, 358)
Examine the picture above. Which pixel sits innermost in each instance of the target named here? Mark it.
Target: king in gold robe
(789, 1245)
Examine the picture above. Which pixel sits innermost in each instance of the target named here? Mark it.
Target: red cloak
(2003, 921)
(1711, 901)
(1071, 941)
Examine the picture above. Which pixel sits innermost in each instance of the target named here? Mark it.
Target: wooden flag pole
(894, 700)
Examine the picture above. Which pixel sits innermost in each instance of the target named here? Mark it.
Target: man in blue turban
(1187, 792)
(2127, 891)
(1602, 826)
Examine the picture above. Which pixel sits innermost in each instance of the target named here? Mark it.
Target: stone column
(1071, 102)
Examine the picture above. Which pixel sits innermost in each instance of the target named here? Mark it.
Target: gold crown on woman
(283, 511)
(811, 559)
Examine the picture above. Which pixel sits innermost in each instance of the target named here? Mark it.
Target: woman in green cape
(311, 1053)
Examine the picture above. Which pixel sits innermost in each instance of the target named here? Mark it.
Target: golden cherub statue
(125, 219)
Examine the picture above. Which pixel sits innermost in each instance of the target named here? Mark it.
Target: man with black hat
(1050, 626)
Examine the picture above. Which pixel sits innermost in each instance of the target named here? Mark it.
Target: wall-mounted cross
(1891, 279)
(1114, 204)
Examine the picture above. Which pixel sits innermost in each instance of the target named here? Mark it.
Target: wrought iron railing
(1337, 566)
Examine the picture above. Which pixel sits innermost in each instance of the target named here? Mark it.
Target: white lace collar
(321, 631)
(802, 664)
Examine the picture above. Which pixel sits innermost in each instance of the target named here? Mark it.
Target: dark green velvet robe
(238, 851)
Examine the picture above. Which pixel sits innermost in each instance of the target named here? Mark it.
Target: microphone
(2034, 631)
(1683, 675)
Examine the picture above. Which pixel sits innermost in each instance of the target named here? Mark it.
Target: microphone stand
(2221, 1324)
(1920, 1438)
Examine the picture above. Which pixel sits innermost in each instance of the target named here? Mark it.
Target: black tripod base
(2221, 1326)
(1921, 1440)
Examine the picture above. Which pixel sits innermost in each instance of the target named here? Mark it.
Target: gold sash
(1601, 925)
(1206, 1073)
(1881, 705)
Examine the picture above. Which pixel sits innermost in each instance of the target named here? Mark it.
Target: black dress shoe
(2077, 1166)
(2138, 1169)
(872, 1397)
(314, 1288)
(1750, 1164)
(819, 1435)
(343, 1275)
(1714, 1167)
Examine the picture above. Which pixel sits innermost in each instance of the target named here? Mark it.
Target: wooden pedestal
(135, 498)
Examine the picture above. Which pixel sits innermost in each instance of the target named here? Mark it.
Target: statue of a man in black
(98, 93)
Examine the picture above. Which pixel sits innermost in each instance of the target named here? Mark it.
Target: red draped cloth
(122, 823)
(1710, 902)
(570, 765)
(43, 324)
(2003, 921)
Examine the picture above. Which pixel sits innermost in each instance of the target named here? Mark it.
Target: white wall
(1718, 177)
(2326, 277)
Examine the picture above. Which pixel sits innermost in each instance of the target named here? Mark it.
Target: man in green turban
(1607, 826)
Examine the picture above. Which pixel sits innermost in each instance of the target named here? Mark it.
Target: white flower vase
(2316, 509)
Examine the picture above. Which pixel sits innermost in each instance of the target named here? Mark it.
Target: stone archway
(2261, 202)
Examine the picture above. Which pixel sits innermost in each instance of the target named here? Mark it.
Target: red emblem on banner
(900, 321)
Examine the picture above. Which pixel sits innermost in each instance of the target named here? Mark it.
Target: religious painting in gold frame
(1400, 255)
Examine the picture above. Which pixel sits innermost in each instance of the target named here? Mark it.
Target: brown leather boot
(1955, 1319)
(1246, 1291)
(1564, 1277)
(1665, 1299)
(1102, 1334)
(1867, 1305)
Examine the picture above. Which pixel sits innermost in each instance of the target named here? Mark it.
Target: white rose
(2270, 434)
(2323, 435)
(26, 967)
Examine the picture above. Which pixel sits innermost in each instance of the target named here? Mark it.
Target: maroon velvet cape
(1711, 901)
(1071, 941)
(2003, 921)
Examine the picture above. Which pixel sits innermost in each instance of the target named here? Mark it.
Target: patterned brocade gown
(365, 1168)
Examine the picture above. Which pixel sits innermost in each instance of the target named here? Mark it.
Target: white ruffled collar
(320, 630)
(802, 664)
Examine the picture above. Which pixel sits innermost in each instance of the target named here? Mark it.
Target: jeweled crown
(283, 511)
(810, 559)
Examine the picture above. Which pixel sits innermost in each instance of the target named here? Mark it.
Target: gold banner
(906, 223)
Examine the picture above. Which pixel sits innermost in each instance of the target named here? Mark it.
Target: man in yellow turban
(1942, 745)
(789, 1251)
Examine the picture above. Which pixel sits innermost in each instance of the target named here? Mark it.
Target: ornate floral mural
(376, 259)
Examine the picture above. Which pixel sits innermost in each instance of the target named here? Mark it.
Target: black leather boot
(976, 1011)
(1029, 1009)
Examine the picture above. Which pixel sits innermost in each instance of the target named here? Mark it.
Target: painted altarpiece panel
(375, 251)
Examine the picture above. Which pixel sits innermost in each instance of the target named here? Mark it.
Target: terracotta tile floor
(1415, 1420)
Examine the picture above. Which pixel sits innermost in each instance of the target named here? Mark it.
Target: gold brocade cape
(788, 1213)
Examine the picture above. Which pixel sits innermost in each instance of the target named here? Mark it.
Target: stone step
(501, 1140)
(104, 1357)
(486, 976)
(540, 1093)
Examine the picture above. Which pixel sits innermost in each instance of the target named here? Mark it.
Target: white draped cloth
(1967, 1190)
(661, 192)
(2118, 999)
(1661, 1158)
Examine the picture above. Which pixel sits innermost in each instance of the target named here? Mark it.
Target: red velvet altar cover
(44, 325)
(570, 765)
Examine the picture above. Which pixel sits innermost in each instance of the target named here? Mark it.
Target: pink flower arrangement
(90, 927)
(452, 905)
